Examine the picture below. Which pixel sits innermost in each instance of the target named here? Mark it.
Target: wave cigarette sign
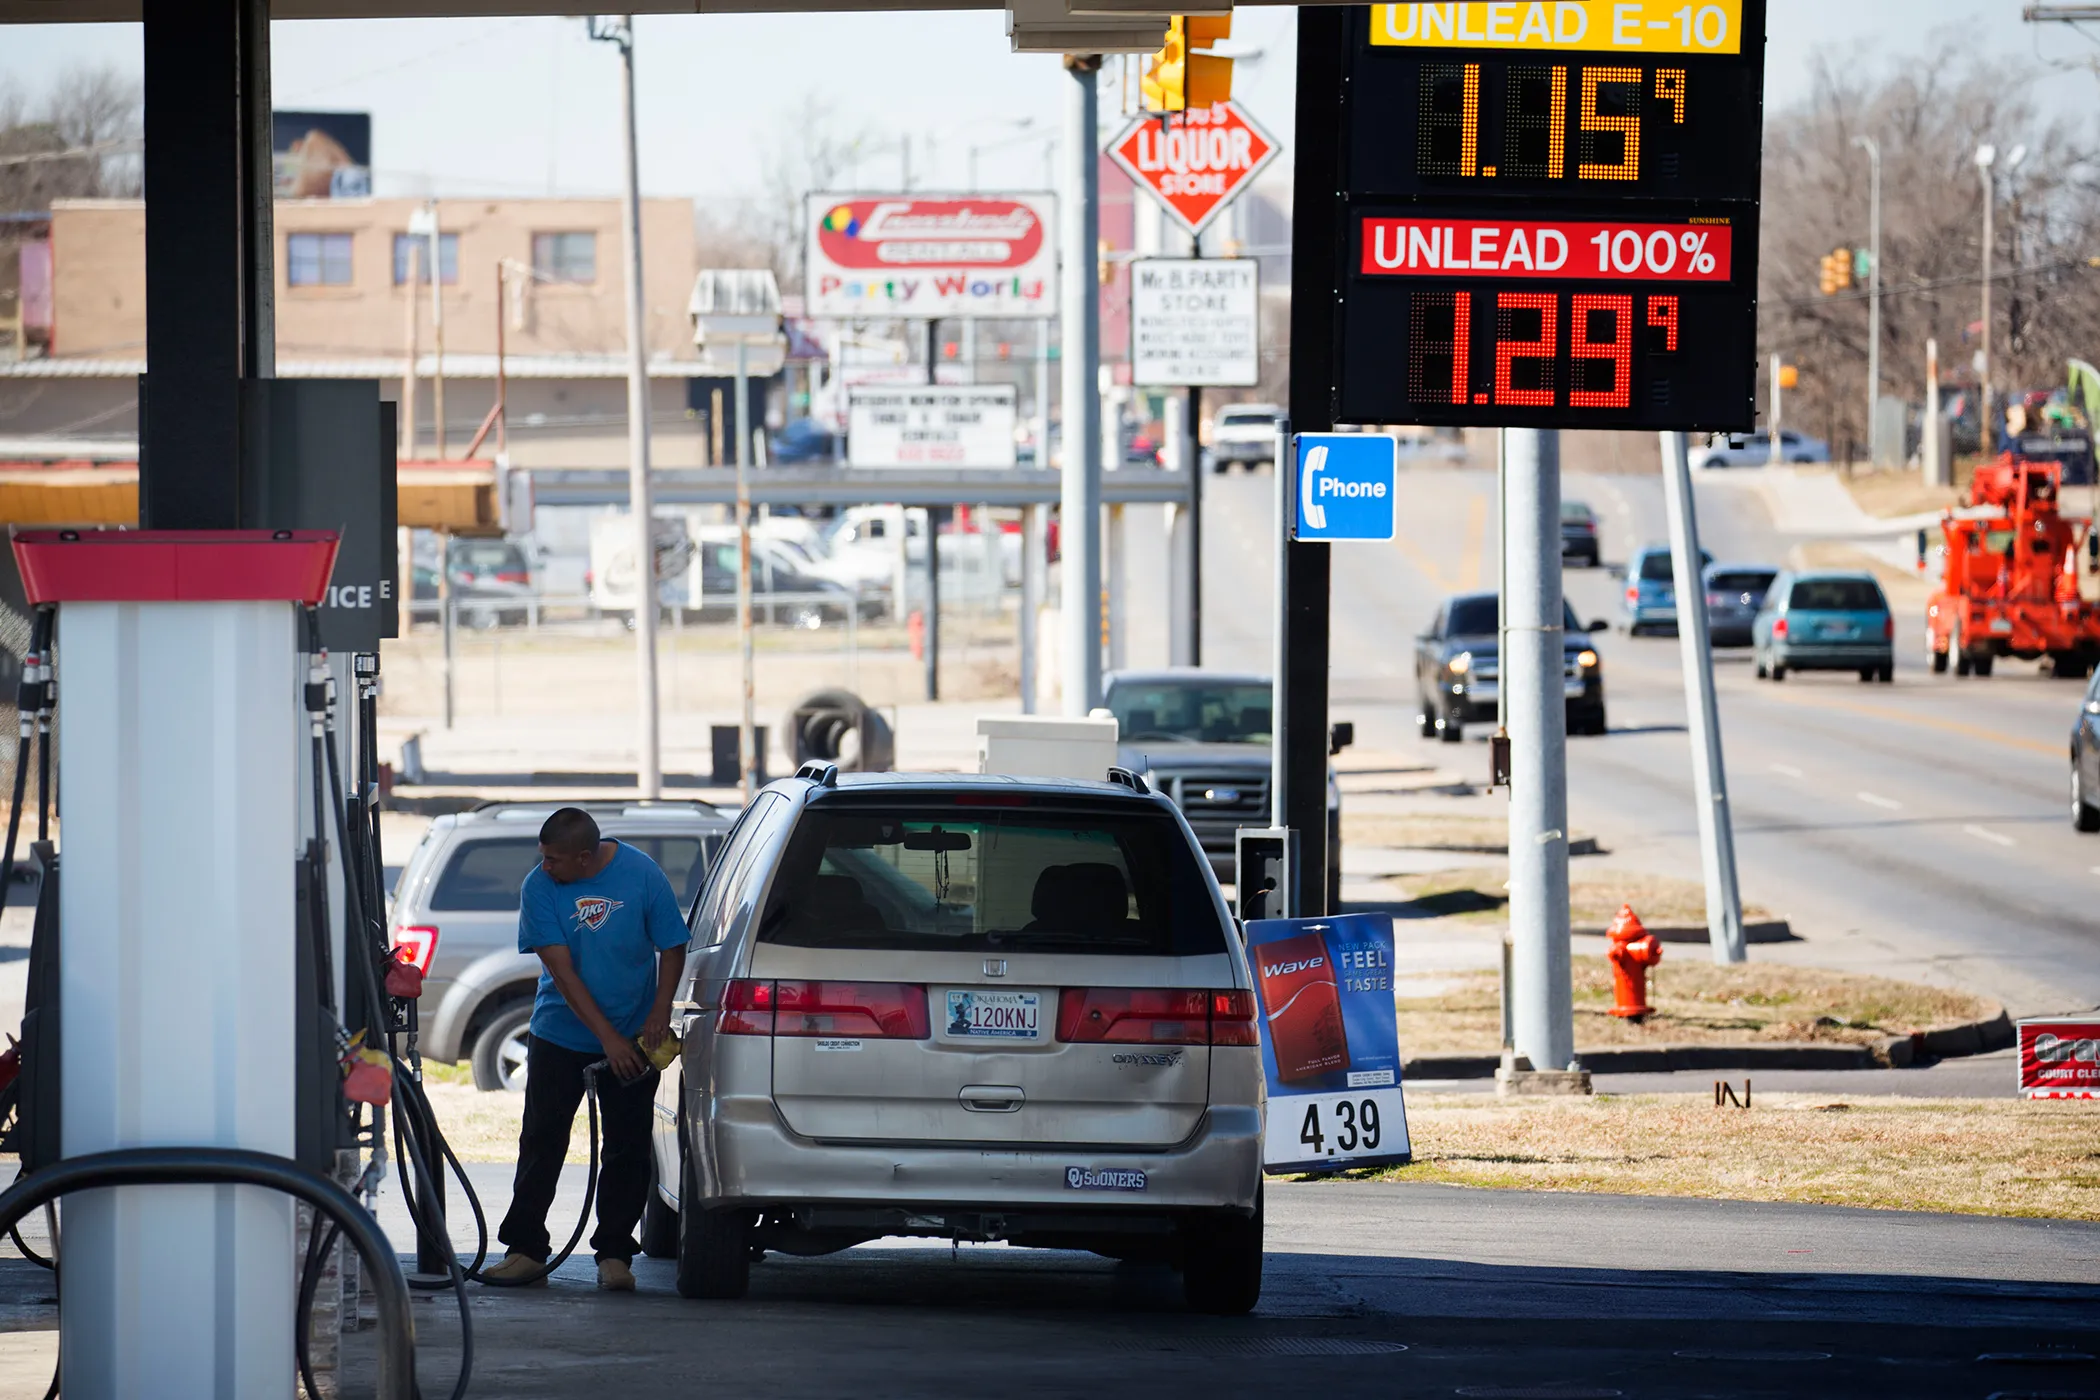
(1195, 162)
(925, 257)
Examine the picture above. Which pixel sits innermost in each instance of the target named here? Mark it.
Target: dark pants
(553, 1090)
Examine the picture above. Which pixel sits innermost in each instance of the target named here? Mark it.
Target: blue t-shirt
(613, 925)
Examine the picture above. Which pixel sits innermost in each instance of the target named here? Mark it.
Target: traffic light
(1181, 75)
(1836, 272)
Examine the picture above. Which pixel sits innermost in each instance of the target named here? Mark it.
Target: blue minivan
(1651, 590)
(1825, 621)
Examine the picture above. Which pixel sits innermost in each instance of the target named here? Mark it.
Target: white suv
(972, 1008)
(1244, 434)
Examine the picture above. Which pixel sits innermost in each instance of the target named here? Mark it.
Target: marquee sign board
(931, 257)
(1550, 214)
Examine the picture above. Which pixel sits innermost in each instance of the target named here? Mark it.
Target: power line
(1967, 279)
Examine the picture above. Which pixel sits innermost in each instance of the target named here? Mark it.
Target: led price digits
(1533, 364)
(1611, 103)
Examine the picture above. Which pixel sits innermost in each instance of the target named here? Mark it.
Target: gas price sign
(1551, 214)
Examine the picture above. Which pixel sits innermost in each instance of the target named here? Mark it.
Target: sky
(530, 106)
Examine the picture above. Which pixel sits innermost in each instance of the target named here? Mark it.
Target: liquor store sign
(1550, 214)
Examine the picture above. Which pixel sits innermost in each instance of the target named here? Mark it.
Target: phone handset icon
(1313, 515)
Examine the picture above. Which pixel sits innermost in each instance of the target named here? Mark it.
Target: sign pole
(1533, 663)
(747, 727)
(933, 543)
(1724, 906)
(1080, 287)
(1193, 436)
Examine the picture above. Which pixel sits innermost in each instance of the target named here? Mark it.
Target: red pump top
(175, 566)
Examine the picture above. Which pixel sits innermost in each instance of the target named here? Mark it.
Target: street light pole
(648, 767)
(1873, 150)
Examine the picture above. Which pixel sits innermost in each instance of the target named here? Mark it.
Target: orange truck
(2011, 582)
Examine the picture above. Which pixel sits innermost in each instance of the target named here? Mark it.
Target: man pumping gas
(606, 925)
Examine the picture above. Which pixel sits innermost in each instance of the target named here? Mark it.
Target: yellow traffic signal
(1180, 75)
(1209, 79)
(1165, 72)
(1789, 376)
(1841, 268)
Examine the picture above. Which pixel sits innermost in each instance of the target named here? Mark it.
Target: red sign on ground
(1194, 162)
(2060, 1059)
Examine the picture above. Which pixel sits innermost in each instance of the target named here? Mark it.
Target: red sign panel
(893, 234)
(1605, 252)
(2060, 1059)
(1194, 162)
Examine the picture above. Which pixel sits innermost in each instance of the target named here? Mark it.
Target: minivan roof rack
(822, 774)
(1123, 777)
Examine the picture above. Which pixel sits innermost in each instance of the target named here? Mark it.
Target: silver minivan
(460, 888)
(966, 1007)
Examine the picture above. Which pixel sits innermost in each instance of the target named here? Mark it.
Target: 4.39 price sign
(1550, 214)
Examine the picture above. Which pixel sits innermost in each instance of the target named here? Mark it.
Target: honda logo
(995, 967)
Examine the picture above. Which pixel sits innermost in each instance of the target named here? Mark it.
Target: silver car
(460, 888)
(972, 1008)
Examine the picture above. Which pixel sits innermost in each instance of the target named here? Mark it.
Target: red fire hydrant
(1633, 951)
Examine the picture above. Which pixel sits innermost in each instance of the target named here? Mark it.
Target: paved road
(1919, 826)
(1371, 1290)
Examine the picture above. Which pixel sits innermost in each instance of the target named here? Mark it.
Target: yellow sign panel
(1609, 26)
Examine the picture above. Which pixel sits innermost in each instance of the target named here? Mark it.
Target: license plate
(976, 1014)
(1837, 631)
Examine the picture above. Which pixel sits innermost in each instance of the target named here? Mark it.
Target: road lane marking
(1787, 768)
(1876, 800)
(1984, 833)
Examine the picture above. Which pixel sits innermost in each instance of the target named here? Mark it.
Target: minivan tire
(659, 1233)
(1221, 1262)
(507, 1020)
(714, 1246)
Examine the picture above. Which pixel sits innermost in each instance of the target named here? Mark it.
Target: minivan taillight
(1779, 627)
(861, 1010)
(1154, 1016)
(1888, 628)
(747, 1008)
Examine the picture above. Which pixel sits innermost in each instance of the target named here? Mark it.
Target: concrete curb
(1993, 1032)
(1760, 931)
(1580, 846)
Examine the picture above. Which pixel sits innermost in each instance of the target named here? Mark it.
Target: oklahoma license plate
(976, 1014)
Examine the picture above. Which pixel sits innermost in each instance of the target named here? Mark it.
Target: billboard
(932, 426)
(1330, 1042)
(321, 155)
(930, 257)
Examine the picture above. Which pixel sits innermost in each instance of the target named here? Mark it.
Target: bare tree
(808, 154)
(93, 111)
(1929, 115)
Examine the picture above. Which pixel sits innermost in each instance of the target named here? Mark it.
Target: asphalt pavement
(1371, 1289)
(1917, 829)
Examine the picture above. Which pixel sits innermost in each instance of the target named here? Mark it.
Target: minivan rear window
(964, 879)
(1753, 582)
(1837, 595)
(483, 877)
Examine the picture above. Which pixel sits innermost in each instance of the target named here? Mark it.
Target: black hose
(317, 1247)
(14, 1232)
(29, 699)
(229, 1166)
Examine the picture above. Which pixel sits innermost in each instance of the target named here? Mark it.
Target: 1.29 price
(1547, 349)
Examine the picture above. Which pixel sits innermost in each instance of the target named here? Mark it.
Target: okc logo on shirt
(592, 911)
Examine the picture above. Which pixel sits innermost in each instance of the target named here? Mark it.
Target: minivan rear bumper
(744, 1155)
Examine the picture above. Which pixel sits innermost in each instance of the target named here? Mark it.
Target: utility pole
(648, 768)
(1080, 540)
(1724, 905)
(1873, 150)
(1533, 664)
(931, 636)
(1193, 455)
(408, 369)
(747, 719)
(435, 270)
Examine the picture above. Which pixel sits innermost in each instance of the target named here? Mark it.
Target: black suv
(1203, 738)
(1458, 669)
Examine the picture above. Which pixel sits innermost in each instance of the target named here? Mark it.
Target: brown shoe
(614, 1276)
(516, 1270)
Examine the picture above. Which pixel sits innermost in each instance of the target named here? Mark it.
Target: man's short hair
(570, 829)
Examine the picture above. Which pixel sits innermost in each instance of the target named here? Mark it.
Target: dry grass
(1696, 1002)
(1426, 832)
(484, 1127)
(1481, 892)
(1893, 493)
(1973, 1157)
